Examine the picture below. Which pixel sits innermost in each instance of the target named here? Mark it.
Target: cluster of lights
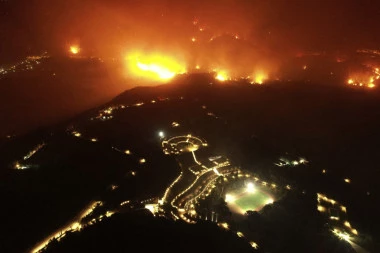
(34, 151)
(19, 166)
(74, 226)
(106, 114)
(25, 65)
(78, 134)
(198, 176)
(207, 188)
(189, 187)
(170, 146)
(163, 200)
(153, 208)
(346, 224)
(211, 114)
(175, 124)
(226, 226)
(125, 202)
(286, 162)
(341, 235)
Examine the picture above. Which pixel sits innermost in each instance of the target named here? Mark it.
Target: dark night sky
(108, 27)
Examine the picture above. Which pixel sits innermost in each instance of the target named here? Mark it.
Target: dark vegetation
(139, 231)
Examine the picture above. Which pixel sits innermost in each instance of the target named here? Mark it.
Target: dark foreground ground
(334, 128)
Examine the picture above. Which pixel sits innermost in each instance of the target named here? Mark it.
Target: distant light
(197, 67)
(321, 208)
(354, 231)
(230, 198)
(250, 187)
(128, 152)
(303, 161)
(347, 180)
(161, 134)
(151, 208)
(224, 225)
(240, 234)
(341, 235)
(109, 213)
(142, 160)
(254, 245)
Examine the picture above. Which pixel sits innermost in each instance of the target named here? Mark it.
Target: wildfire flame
(154, 66)
(221, 76)
(259, 77)
(74, 49)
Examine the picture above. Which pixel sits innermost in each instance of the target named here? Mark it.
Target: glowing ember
(74, 49)
(154, 66)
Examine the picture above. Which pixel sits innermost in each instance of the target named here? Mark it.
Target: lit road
(73, 225)
(357, 248)
(181, 198)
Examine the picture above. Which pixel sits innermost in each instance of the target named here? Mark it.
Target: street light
(250, 187)
(229, 198)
